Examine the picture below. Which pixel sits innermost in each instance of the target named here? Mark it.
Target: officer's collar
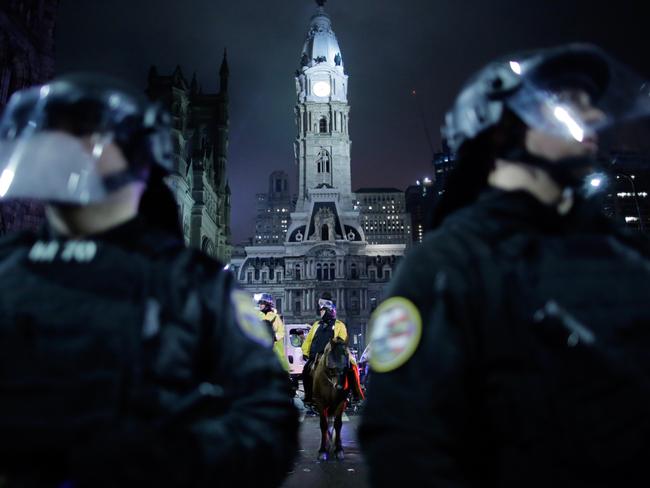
(524, 209)
(517, 203)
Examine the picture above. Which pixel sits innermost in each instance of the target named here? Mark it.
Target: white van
(293, 338)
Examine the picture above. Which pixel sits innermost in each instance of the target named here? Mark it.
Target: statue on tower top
(321, 3)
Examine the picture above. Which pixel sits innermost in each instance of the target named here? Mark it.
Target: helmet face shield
(328, 306)
(574, 92)
(52, 166)
(264, 298)
(578, 94)
(53, 140)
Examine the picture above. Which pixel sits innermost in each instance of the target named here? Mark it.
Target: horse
(330, 393)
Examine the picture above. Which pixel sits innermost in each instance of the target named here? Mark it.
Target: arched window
(319, 272)
(322, 125)
(332, 271)
(353, 271)
(298, 272)
(323, 161)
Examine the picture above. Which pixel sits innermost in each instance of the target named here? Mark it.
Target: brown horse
(330, 393)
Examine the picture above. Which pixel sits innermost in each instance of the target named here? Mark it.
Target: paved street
(308, 472)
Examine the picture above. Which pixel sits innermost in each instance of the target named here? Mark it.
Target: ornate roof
(321, 45)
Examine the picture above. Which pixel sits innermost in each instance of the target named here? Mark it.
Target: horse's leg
(338, 423)
(324, 447)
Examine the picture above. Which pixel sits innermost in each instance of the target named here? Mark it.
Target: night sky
(389, 48)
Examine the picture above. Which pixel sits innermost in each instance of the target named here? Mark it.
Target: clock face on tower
(321, 88)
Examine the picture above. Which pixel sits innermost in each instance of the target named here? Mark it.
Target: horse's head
(336, 362)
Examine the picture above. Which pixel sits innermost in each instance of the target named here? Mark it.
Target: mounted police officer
(273, 321)
(513, 350)
(126, 359)
(326, 329)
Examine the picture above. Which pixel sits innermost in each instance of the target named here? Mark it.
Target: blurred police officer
(271, 318)
(513, 350)
(126, 359)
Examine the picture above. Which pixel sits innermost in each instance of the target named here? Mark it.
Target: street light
(636, 198)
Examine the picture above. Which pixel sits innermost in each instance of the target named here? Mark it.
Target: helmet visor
(325, 304)
(51, 139)
(51, 166)
(578, 93)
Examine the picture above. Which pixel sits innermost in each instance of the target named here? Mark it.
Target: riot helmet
(42, 132)
(328, 306)
(538, 87)
(574, 93)
(265, 299)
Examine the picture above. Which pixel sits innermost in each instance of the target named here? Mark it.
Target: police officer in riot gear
(126, 359)
(513, 348)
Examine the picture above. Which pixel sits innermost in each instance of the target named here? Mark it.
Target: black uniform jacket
(128, 359)
(533, 366)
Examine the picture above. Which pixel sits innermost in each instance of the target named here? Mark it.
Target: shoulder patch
(395, 332)
(248, 318)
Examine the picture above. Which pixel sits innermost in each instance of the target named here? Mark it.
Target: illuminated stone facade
(325, 249)
(200, 135)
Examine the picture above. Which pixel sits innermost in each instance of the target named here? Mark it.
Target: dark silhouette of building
(626, 188)
(200, 134)
(424, 195)
(419, 202)
(26, 59)
(443, 163)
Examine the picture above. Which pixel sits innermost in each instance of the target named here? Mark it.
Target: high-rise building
(200, 134)
(443, 163)
(273, 209)
(325, 249)
(26, 59)
(419, 203)
(384, 217)
(626, 189)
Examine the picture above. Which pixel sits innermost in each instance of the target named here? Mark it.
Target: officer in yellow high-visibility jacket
(270, 317)
(323, 331)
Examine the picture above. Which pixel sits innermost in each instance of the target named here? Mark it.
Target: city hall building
(322, 244)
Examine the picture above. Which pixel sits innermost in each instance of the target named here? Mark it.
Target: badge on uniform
(395, 332)
(248, 318)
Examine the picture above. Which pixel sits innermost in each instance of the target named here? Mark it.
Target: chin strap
(116, 181)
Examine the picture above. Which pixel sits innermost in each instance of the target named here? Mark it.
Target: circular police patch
(248, 318)
(395, 332)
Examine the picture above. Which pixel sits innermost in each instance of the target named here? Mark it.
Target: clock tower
(325, 250)
(322, 146)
